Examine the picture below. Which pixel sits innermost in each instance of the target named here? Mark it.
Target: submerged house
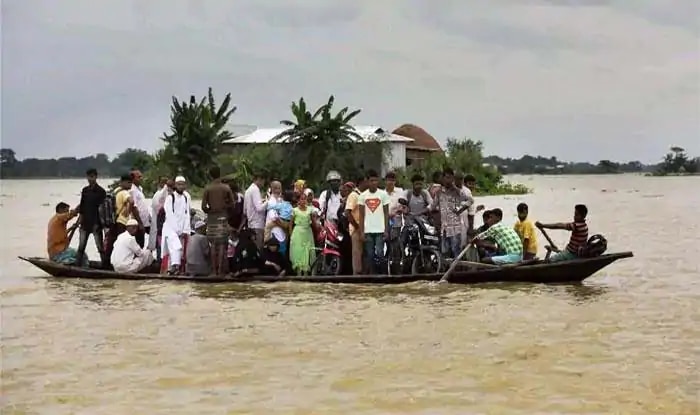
(423, 144)
(407, 144)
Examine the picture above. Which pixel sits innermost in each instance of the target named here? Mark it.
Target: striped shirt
(579, 236)
(506, 238)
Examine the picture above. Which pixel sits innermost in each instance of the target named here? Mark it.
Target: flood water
(624, 342)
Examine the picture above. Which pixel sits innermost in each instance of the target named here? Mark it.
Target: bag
(325, 207)
(595, 246)
(172, 196)
(423, 195)
(107, 211)
(343, 222)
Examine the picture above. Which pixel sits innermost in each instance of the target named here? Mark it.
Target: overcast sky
(609, 80)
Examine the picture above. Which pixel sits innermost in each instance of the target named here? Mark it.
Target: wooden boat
(535, 272)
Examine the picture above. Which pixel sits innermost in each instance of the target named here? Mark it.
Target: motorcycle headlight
(430, 229)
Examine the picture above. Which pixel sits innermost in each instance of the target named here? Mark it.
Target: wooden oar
(71, 233)
(454, 264)
(477, 264)
(551, 244)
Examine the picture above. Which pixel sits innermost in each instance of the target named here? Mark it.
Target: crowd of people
(270, 230)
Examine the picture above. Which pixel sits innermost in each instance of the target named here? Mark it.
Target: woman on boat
(301, 247)
(273, 261)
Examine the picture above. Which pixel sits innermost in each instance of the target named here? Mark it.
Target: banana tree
(197, 130)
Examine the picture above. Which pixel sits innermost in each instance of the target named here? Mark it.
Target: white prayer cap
(180, 179)
(199, 224)
(132, 222)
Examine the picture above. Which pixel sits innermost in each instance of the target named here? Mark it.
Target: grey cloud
(484, 26)
(81, 77)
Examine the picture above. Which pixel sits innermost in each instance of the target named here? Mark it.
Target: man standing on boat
(91, 197)
(468, 186)
(127, 256)
(177, 226)
(157, 203)
(216, 201)
(329, 199)
(451, 202)
(255, 208)
(142, 210)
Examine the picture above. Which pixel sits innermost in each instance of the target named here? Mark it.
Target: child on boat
(278, 227)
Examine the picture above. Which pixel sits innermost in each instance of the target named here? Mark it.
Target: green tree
(197, 130)
(464, 156)
(325, 140)
(675, 161)
(132, 158)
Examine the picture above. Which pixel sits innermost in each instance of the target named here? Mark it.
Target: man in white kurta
(177, 226)
(156, 204)
(127, 255)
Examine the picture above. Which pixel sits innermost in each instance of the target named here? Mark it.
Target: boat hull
(539, 272)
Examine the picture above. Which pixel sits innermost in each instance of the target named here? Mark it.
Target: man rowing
(578, 239)
(506, 238)
(57, 239)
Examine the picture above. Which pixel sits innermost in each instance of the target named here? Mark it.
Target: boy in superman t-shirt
(374, 219)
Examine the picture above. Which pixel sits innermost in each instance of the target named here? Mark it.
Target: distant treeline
(676, 161)
(68, 167)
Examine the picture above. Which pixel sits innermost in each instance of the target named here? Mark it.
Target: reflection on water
(109, 293)
(624, 341)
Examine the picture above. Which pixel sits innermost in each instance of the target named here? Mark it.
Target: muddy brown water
(625, 341)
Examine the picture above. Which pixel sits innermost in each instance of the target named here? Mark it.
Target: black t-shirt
(91, 198)
(235, 213)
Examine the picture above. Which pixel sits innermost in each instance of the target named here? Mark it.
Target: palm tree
(196, 134)
(319, 141)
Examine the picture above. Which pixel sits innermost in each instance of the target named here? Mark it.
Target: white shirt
(177, 213)
(126, 251)
(394, 197)
(141, 205)
(158, 200)
(254, 207)
(271, 214)
(471, 210)
(333, 204)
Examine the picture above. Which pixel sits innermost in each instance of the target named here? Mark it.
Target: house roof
(421, 139)
(367, 132)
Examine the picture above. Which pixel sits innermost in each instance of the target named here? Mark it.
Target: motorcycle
(418, 244)
(328, 261)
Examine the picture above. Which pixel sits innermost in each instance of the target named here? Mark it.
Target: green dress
(301, 243)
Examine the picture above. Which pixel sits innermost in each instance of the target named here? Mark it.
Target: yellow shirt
(526, 230)
(354, 208)
(123, 214)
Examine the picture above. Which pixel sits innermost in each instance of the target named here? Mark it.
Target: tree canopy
(676, 161)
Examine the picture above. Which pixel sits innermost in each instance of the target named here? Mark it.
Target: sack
(595, 246)
(107, 211)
